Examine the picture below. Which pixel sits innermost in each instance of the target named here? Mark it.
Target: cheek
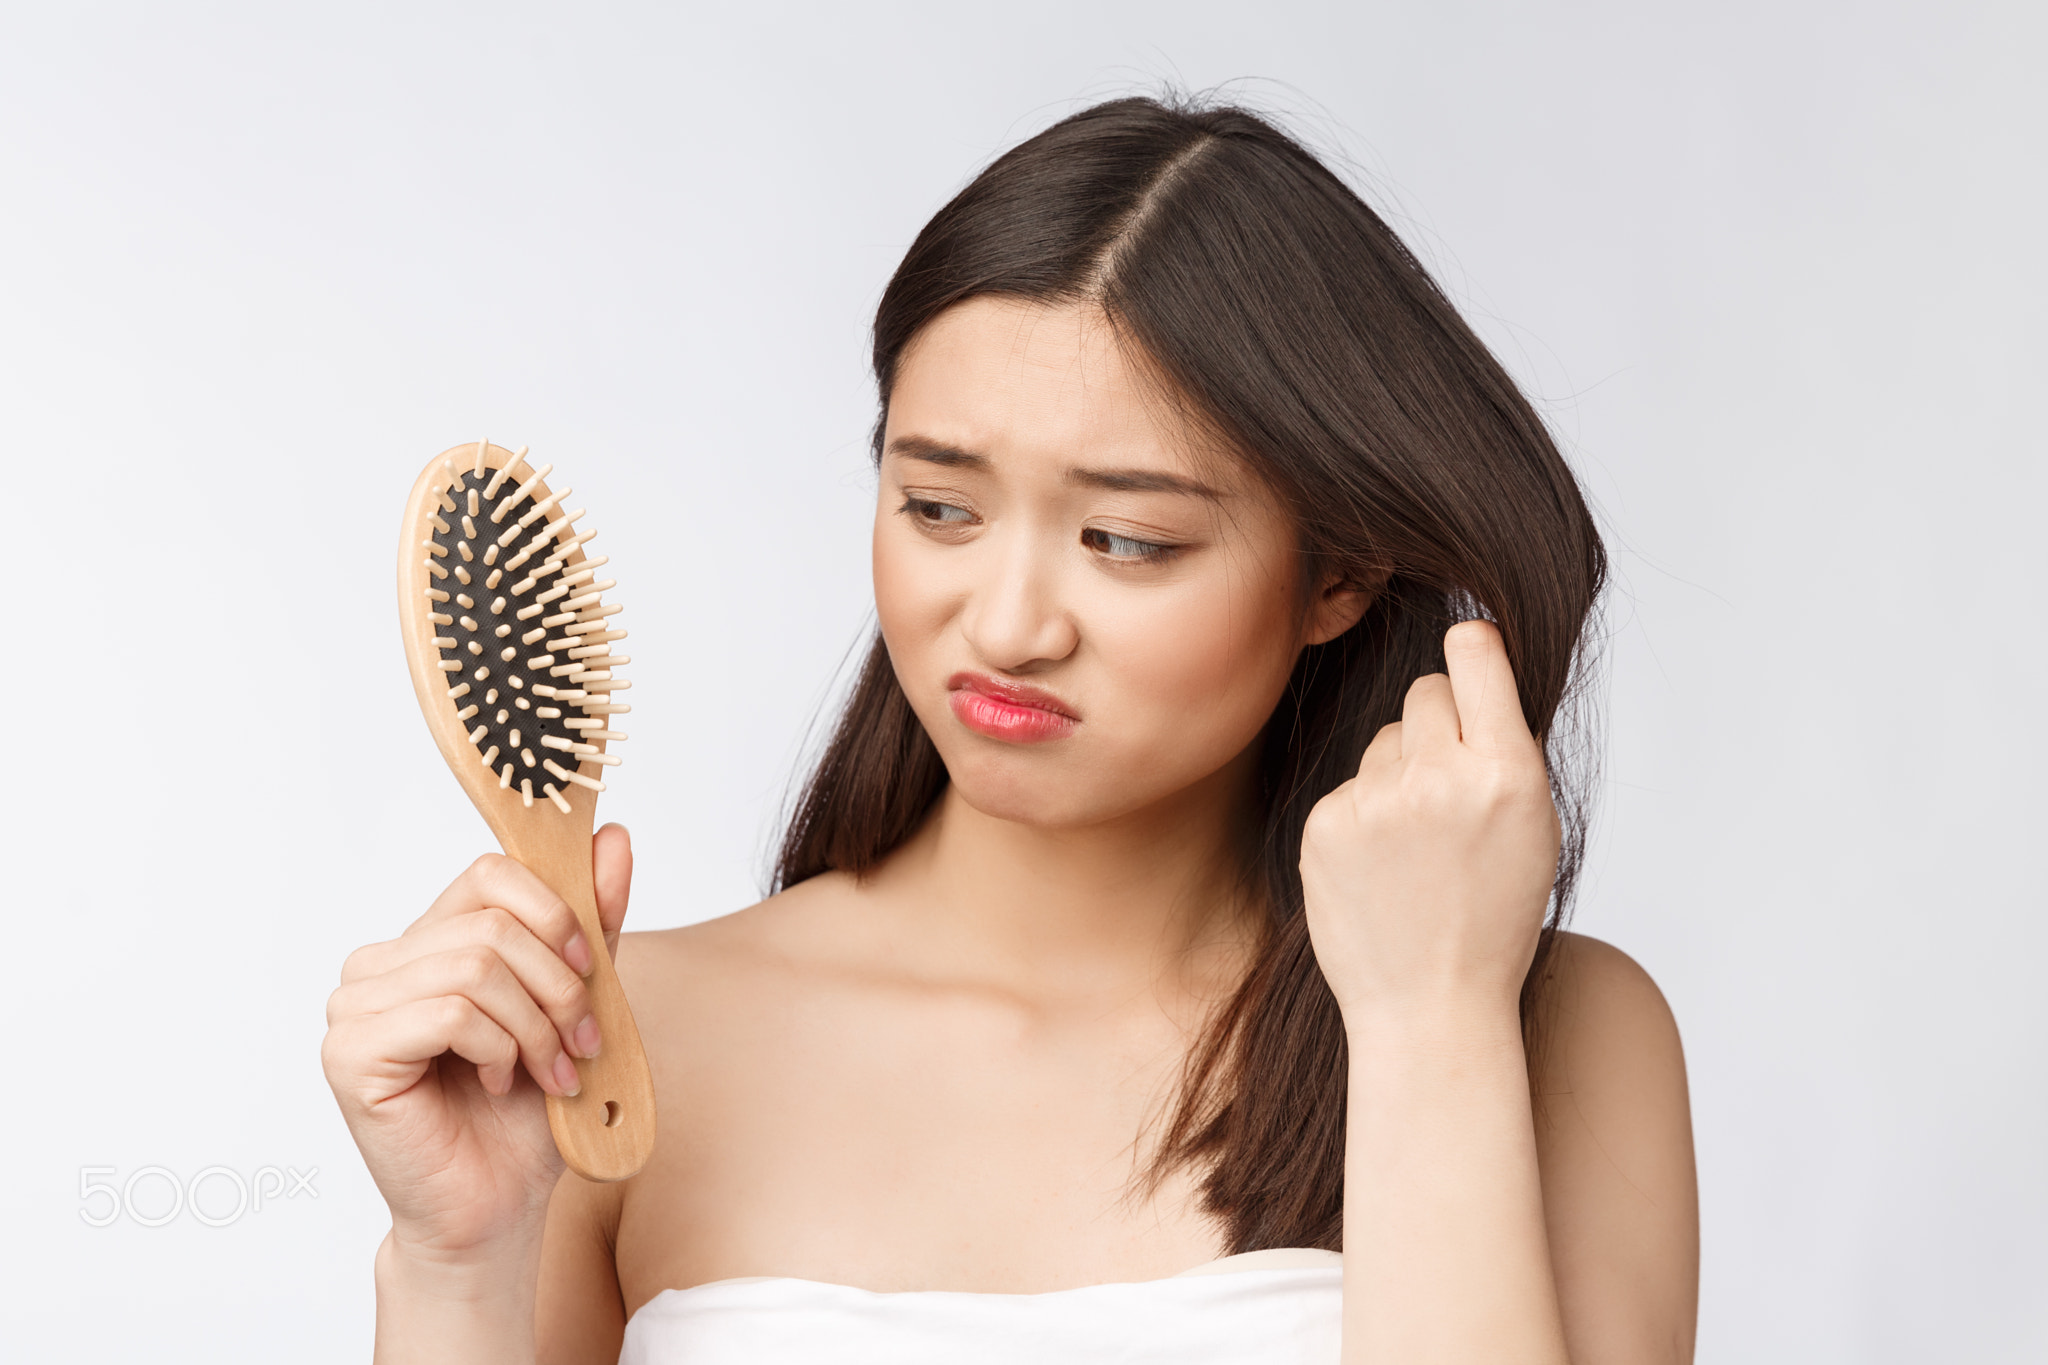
(913, 596)
(1198, 673)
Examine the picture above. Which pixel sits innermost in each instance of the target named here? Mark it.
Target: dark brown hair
(1289, 319)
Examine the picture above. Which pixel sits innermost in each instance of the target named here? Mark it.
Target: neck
(1153, 898)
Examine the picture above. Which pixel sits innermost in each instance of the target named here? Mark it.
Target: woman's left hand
(1428, 874)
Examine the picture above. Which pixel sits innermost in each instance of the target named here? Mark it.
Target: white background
(1774, 271)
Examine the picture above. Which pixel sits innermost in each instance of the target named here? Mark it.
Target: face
(1089, 611)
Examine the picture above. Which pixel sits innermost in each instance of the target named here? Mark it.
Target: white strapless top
(1277, 1307)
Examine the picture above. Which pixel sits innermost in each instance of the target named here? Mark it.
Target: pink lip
(1008, 711)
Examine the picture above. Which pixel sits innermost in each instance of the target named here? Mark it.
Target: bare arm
(1445, 1252)
(456, 1310)
(1578, 1215)
(552, 1298)
(580, 1314)
(1614, 1141)
(1481, 1226)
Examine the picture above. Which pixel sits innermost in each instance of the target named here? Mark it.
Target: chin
(1023, 803)
(1043, 791)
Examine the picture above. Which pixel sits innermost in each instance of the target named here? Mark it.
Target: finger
(491, 882)
(1483, 685)
(478, 975)
(486, 924)
(1429, 715)
(1384, 751)
(611, 868)
(401, 1042)
(548, 980)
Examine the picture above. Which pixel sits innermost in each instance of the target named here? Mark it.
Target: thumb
(611, 870)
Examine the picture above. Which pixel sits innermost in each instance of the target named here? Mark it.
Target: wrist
(470, 1273)
(1454, 1018)
(444, 1306)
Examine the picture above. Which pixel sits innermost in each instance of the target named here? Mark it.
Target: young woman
(1178, 892)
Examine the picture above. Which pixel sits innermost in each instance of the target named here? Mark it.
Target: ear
(1338, 605)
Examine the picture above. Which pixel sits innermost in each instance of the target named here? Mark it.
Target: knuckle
(450, 1014)
(1516, 779)
(1427, 684)
(498, 926)
(1424, 783)
(358, 964)
(330, 1051)
(1328, 820)
(507, 927)
(491, 876)
(1320, 818)
(1504, 786)
(569, 997)
(540, 1041)
(548, 916)
(554, 920)
(475, 966)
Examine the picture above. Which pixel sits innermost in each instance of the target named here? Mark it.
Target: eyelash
(923, 509)
(1124, 549)
(1133, 551)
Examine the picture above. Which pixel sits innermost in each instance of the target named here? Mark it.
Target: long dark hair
(1287, 317)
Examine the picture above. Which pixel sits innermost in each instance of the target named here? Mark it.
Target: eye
(1124, 547)
(943, 513)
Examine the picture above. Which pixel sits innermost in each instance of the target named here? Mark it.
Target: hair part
(1282, 314)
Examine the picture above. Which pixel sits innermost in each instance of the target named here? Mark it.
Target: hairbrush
(509, 643)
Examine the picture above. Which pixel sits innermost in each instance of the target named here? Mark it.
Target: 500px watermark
(153, 1195)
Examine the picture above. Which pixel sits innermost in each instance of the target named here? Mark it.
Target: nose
(1014, 620)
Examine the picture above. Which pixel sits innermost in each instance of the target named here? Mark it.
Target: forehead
(1025, 384)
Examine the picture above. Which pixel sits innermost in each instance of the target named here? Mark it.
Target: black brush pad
(503, 689)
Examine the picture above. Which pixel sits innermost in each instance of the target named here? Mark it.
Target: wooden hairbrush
(509, 646)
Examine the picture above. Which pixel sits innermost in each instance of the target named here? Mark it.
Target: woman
(1179, 889)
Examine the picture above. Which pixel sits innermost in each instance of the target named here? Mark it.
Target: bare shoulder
(717, 1000)
(781, 933)
(1602, 1008)
(1614, 1136)
(705, 998)
(1608, 1061)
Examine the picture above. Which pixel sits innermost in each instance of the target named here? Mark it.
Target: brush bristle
(537, 693)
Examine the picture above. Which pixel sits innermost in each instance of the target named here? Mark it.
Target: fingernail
(576, 952)
(586, 1036)
(566, 1079)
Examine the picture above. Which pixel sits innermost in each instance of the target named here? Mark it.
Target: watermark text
(218, 1196)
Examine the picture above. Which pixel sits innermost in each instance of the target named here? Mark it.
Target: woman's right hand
(441, 1042)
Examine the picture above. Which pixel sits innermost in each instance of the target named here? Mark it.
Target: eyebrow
(936, 452)
(1142, 481)
(1115, 480)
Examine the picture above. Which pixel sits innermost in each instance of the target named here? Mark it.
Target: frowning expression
(1089, 608)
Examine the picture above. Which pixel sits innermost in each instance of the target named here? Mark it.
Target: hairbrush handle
(606, 1131)
(509, 645)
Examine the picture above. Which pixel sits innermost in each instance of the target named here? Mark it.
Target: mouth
(1009, 711)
